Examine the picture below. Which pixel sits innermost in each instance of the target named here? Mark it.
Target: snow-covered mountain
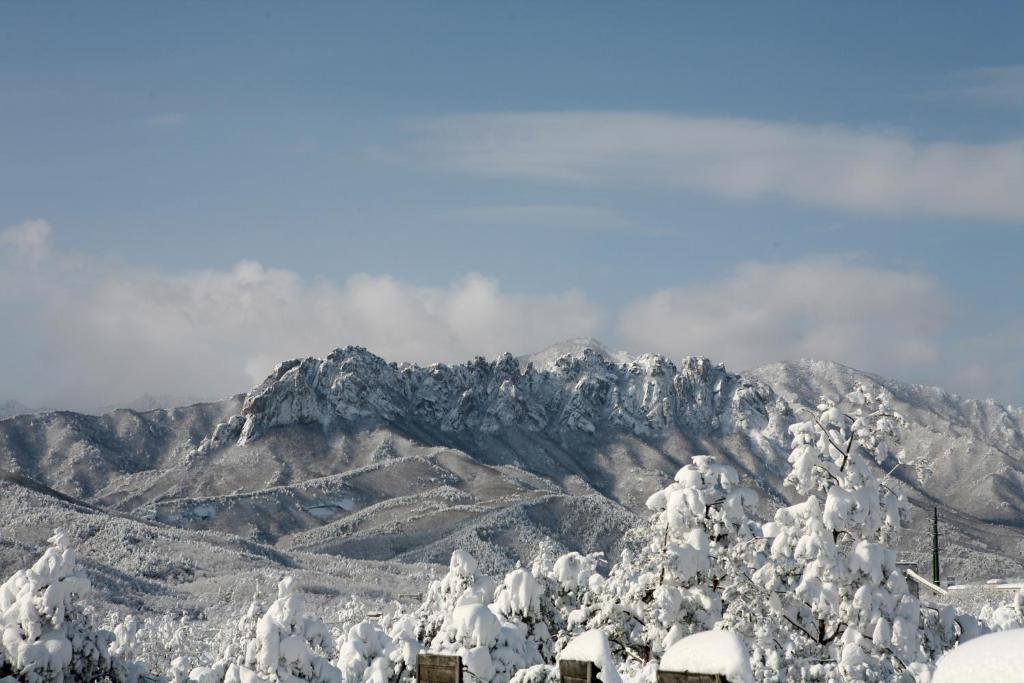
(12, 408)
(576, 394)
(359, 460)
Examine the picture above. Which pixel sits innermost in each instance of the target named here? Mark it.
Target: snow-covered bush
(285, 645)
(827, 600)
(620, 604)
(943, 627)
(46, 636)
(1006, 616)
(127, 652)
(381, 650)
(364, 654)
(541, 673)
(178, 670)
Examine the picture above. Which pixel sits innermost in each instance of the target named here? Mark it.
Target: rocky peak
(582, 391)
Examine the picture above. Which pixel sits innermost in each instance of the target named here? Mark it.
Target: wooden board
(575, 671)
(438, 669)
(684, 677)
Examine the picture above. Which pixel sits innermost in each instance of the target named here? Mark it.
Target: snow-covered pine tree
(494, 639)
(462, 584)
(377, 649)
(673, 586)
(284, 645)
(620, 603)
(828, 602)
(491, 650)
(44, 634)
(164, 638)
(365, 655)
(569, 585)
(517, 602)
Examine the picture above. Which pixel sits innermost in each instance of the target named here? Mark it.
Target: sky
(191, 192)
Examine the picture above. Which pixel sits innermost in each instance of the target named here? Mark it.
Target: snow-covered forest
(812, 594)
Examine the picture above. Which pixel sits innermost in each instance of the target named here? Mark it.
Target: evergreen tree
(674, 585)
(826, 601)
(45, 636)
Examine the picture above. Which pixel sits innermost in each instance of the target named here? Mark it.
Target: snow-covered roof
(993, 658)
(710, 652)
(911, 574)
(592, 646)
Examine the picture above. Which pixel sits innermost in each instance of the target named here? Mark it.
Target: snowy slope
(169, 570)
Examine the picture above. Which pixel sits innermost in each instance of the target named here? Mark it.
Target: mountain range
(362, 475)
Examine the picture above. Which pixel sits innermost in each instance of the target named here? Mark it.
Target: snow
(592, 646)
(366, 654)
(46, 636)
(476, 624)
(462, 563)
(710, 652)
(520, 594)
(574, 570)
(494, 640)
(993, 658)
(868, 558)
(284, 644)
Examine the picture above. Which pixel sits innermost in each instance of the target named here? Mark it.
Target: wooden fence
(438, 669)
(448, 669)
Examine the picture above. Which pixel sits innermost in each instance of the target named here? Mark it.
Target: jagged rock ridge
(574, 394)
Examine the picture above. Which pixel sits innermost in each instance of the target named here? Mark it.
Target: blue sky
(748, 181)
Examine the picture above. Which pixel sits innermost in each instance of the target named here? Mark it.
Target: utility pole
(935, 546)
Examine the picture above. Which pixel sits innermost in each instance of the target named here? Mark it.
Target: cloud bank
(838, 167)
(825, 308)
(84, 332)
(105, 332)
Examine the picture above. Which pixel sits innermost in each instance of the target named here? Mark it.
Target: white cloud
(990, 364)
(29, 240)
(827, 308)
(833, 166)
(991, 84)
(110, 333)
